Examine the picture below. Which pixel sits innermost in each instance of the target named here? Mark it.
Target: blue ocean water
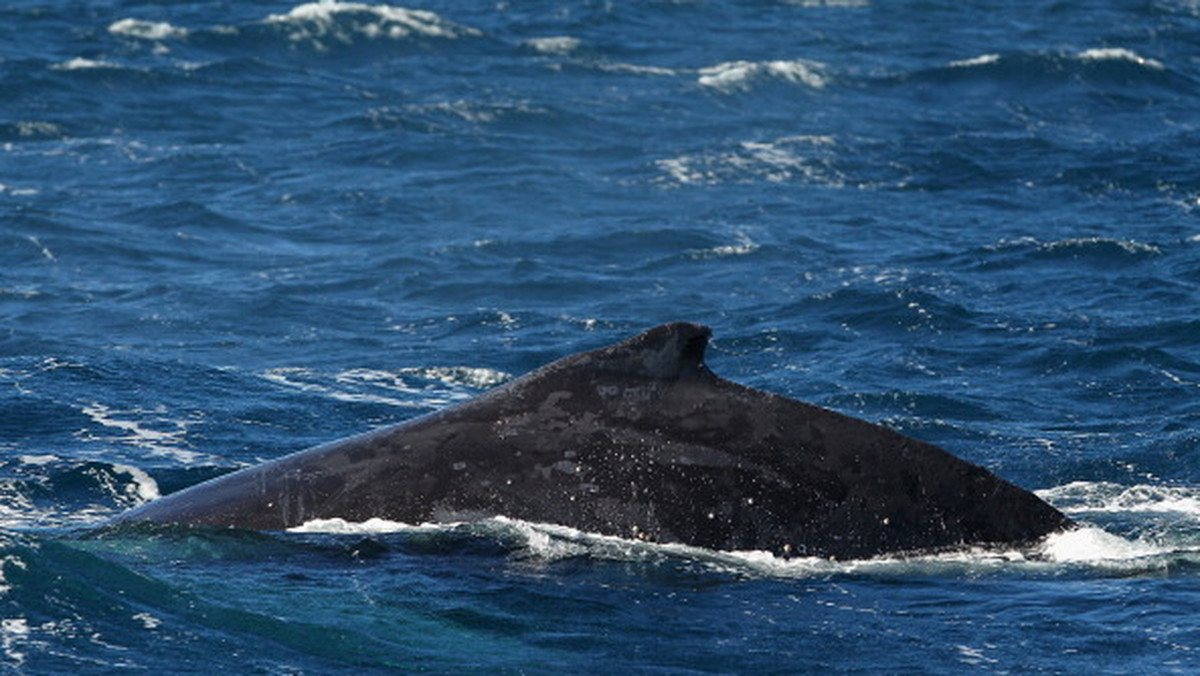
(229, 231)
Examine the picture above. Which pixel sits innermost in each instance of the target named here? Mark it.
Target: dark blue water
(229, 231)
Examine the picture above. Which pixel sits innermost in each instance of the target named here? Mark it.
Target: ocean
(231, 231)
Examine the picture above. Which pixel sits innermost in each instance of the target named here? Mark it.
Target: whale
(638, 440)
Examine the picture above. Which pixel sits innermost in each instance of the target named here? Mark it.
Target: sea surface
(233, 230)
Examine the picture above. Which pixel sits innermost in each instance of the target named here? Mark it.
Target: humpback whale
(638, 440)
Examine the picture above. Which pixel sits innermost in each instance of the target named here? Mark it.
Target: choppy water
(230, 231)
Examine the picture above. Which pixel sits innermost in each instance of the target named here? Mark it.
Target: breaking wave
(321, 26)
(732, 76)
(1093, 68)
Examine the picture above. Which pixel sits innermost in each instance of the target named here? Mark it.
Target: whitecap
(981, 60)
(9, 562)
(80, 63)
(742, 246)
(1102, 497)
(25, 192)
(734, 75)
(636, 69)
(468, 111)
(1127, 246)
(17, 509)
(150, 429)
(15, 640)
(461, 376)
(147, 620)
(137, 489)
(317, 22)
(559, 45)
(147, 30)
(793, 158)
(306, 380)
(142, 489)
(410, 387)
(1096, 546)
(845, 4)
(37, 129)
(686, 170)
(1119, 54)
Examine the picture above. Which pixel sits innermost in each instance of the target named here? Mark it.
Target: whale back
(640, 440)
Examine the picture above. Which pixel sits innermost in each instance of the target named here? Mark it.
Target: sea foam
(734, 75)
(344, 21)
(147, 30)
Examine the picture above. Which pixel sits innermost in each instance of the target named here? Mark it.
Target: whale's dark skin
(638, 440)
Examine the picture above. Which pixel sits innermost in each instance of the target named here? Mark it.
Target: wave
(317, 23)
(48, 492)
(1088, 547)
(31, 130)
(803, 159)
(147, 30)
(412, 387)
(1055, 63)
(155, 431)
(1101, 251)
(1083, 498)
(845, 4)
(1117, 69)
(1141, 525)
(1069, 252)
(559, 45)
(886, 300)
(320, 26)
(732, 76)
(80, 63)
(75, 611)
(1117, 55)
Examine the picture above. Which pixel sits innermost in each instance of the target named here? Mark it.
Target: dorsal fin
(663, 353)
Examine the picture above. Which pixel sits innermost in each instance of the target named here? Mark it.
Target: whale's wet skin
(639, 440)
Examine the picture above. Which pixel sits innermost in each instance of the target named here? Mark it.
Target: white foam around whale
(1088, 547)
